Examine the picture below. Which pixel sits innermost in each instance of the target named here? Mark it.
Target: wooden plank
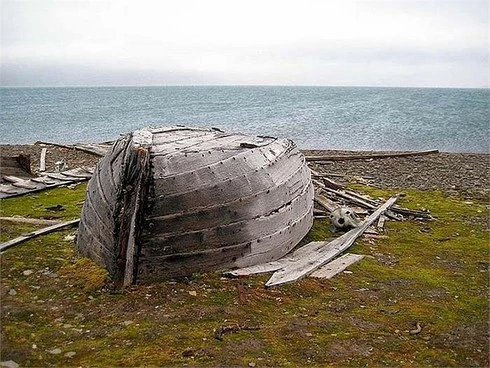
(309, 250)
(26, 220)
(42, 160)
(94, 148)
(21, 183)
(381, 222)
(312, 158)
(336, 266)
(66, 178)
(307, 265)
(350, 198)
(8, 244)
(326, 203)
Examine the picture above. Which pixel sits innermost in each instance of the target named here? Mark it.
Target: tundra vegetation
(420, 298)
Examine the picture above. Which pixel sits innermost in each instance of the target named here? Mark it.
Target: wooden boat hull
(171, 202)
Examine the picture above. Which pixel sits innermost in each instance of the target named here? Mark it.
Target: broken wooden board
(16, 186)
(306, 265)
(28, 220)
(8, 244)
(97, 149)
(337, 265)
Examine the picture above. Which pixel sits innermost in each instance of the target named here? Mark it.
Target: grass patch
(434, 273)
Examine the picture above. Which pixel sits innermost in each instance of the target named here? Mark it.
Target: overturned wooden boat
(170, 202)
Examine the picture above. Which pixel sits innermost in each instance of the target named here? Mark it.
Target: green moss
(434, 273)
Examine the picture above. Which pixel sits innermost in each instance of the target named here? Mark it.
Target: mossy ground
(434, 273)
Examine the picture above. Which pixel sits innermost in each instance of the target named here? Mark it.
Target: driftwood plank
(34, 221)
(42, 160)
(5, 245)
(368, 156)
(307, 265)
(92, 148)
(326, 203)
(337, 265)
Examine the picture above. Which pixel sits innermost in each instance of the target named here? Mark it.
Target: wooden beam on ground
(94, 149)
(368, 156)
(8, 244)
(42, 159)
(337, 265)
(325, 252)
(326, 203)
(33, 221)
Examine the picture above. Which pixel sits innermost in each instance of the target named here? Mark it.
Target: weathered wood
(326, 203)
(210, 199)
(331, 184)
(27, 220)
(230, 233)
(381, 222)
(312, 158)
(92, 148)
(336, 266)
(21, 183)
(42, 159)
(196, 217)
(350, 198)
(19, 166)
(307, 265)
(8, 244)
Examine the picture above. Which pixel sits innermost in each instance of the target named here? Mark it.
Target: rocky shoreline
(464, 174)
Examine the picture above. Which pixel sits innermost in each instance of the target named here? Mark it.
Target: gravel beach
(464, 174)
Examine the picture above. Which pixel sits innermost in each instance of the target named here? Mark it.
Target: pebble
(127, 323)
(70, 354)
(12, 292)
(193, 293)
(28, 272)
(309, 334)
(251, 364)
(55, 351)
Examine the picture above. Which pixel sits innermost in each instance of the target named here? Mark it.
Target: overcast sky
(265, 42)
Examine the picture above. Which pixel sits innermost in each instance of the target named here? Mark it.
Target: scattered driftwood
(337, 265)
(311, 256)
(220, 331)
(33, 221)
(16, 186)
(307, 265)
(8, 244)
(367, 156)
(365, 202)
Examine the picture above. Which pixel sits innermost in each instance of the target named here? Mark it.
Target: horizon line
(231, 85)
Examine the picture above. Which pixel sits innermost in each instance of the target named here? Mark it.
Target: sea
(340, 118)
